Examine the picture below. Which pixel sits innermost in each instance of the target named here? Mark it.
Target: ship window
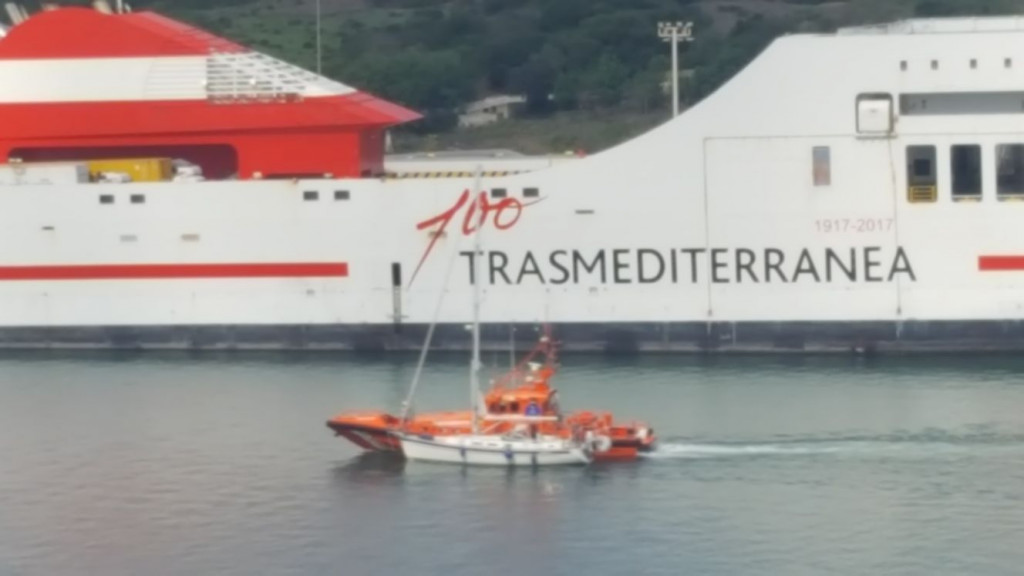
(1008, 62)
(106, 199)
(960, 103)
(531, 192)
(965, 160)
(903, 65)
(498, 193)
(921, 174)
(138, 199)
(974, 63)
(1010, 169)
(396, 274)
(341, 195)
(935, 64)
(310, 195)
(822, 165)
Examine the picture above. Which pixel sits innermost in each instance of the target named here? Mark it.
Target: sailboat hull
(493, 451)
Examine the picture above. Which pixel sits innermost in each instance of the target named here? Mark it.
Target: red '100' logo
(503, 214)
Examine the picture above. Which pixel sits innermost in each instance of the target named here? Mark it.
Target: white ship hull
(724, 228)
(493, 451)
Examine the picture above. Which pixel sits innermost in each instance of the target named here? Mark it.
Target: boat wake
(689, 450)
(906, 446)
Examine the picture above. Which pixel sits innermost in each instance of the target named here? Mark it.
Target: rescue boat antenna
(474, 385)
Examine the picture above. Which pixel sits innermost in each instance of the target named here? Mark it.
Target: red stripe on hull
(173, 271)
(358, 441)
(1000, 263)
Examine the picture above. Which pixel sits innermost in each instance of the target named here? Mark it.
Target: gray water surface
(221, 464)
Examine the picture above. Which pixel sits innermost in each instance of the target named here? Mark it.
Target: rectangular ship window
(921, 177)
(822, 165)
(1010, 169)
(498, 193)
(341, 195)
(106, 199)
(531, 192)
(960, 103)
(138, 199)
(965, 161)
(310, 195)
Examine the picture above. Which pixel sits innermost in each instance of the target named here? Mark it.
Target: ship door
(922, 176)
(875, 115)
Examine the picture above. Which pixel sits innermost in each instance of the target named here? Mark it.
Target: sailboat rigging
(484, 447)
(518, 422)
(474, 370)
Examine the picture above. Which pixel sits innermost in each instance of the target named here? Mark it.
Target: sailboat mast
(474, 369)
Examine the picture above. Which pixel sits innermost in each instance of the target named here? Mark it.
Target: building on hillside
(491, 109)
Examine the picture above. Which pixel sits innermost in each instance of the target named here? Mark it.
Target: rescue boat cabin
(539, 401)
(84, 84)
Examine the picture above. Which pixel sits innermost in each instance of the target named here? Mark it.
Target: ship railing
(250, 76)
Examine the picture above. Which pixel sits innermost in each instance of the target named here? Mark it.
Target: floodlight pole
(319, 54)
(675, 32)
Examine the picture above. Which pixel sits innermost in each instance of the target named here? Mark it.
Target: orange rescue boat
(523, 394)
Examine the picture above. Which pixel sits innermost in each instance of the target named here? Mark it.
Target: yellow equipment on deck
(139, 169)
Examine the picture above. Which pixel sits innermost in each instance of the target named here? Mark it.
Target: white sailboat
(516, 448)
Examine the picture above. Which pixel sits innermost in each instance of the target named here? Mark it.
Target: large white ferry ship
(857, 190)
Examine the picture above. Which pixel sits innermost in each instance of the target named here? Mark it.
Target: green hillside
(601, 60)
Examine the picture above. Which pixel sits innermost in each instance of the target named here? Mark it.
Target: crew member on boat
(532, 409)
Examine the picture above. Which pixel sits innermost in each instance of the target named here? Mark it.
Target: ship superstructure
(860, 189)
(80, 83)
